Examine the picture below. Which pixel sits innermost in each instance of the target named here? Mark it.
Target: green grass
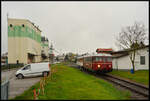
(67, 83)
(140, 76)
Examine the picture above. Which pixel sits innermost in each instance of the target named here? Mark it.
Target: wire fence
(11, 66)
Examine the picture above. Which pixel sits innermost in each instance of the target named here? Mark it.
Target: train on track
(100, 63)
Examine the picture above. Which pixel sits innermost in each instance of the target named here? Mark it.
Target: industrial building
(24, 41)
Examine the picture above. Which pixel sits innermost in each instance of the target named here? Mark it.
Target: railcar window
(88, 59)
(98, 59)
(109, 59)
(104, 59)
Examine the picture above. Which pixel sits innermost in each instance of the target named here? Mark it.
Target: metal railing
(5, 90)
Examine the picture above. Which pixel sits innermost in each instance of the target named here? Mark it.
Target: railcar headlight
(99, 66)
(109, 65)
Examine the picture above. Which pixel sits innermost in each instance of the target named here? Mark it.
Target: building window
(22, 25)
(10, 25)
(142, 60)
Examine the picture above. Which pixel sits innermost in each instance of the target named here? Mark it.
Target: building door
(31, 58)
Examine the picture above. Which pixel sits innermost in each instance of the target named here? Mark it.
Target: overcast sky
(77, 27)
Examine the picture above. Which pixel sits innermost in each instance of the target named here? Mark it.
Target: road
(18, 86)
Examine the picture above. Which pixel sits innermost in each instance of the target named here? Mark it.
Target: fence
(10, 66)
(5, 90)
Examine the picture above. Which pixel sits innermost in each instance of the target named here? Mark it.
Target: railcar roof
(100, 54)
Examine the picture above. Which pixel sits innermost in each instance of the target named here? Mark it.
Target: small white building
(121, 59)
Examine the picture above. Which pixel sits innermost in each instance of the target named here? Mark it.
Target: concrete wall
(122, 63)
(125, 63)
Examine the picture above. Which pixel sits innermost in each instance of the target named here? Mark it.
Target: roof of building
(104, 50)
(125, 52)
(120, 55)
(37, 27)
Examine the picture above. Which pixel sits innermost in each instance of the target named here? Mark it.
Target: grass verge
(140, 76)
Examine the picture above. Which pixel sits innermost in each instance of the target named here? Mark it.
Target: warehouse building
(24, 41)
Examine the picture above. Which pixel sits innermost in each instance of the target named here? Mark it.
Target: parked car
(33, 69)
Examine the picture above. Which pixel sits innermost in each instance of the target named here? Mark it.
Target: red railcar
(101, 63)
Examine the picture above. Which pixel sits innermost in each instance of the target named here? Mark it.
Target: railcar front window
(98, 59)
(104, 59)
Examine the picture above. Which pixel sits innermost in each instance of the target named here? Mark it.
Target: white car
(33, 69)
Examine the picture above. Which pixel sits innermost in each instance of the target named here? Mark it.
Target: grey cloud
(77, 26)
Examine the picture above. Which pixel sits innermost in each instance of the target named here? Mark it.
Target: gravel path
(18, 86)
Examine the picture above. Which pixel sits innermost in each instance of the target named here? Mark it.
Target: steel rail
(128, 81)
(129, 85)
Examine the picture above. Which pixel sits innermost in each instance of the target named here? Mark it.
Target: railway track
(141, 91)
(134, 87)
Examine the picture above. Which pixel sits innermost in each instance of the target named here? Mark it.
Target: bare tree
(132, 37)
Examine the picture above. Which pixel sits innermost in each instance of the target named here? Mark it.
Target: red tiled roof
(104, 50)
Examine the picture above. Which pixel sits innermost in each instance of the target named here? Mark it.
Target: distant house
(121, 59)
(61, 57)
(4, 58)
